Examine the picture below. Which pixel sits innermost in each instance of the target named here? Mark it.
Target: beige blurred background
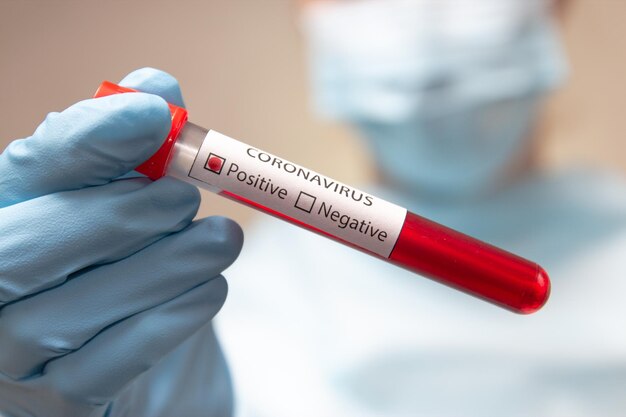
(242, 68)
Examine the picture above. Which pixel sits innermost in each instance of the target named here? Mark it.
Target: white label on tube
(328, 205)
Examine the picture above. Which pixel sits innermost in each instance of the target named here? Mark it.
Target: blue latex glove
(107, 287)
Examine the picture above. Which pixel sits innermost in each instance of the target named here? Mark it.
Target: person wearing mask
(446, 95)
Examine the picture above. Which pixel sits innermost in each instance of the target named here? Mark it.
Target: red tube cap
(156, 166)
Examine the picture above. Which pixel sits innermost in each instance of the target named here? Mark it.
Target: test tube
(315, 202)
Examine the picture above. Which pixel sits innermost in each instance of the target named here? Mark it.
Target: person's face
(444, 92)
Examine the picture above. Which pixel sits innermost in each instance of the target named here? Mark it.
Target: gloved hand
(107, 287)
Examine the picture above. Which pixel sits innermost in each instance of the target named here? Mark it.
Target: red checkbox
(215, 163)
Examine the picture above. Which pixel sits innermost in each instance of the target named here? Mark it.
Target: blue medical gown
(313, 328)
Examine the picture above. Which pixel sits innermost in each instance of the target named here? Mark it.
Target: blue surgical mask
(445, 91)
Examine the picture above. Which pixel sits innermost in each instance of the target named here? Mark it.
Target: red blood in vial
(469, 265)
